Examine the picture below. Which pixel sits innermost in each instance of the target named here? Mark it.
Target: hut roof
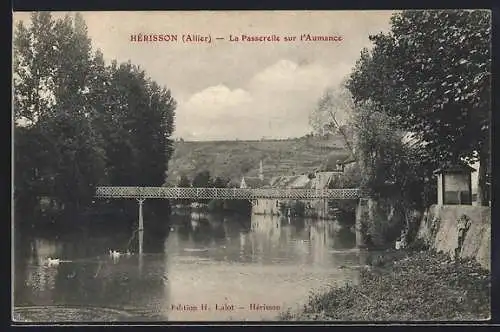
(458, 168)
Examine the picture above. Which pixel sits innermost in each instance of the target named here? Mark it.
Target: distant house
(317, 180)
(348, 163)
(320, 178)
(253, 182)
(335, 162)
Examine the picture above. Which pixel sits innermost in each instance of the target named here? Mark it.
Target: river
(207, 267)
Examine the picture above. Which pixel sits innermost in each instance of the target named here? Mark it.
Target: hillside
(233, 159)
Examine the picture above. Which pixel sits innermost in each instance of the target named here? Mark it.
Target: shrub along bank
(424, 285)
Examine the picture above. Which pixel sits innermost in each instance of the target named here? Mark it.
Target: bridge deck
(224, 193)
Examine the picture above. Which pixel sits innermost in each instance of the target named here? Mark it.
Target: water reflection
(206, 259)
(90, 277)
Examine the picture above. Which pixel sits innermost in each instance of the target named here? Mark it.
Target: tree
(332, 114)
(395, 172)
(202, 180)
(375, 141)
(184, 182)
(51, 66)
(432, 74)
(139, 116)
(27, 153)
(78, 161)
(73, 64)
(220, 182)
(80, 123)
(34, 65)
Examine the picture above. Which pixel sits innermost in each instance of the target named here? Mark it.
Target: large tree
(81, 123)
(57, 151)
(202, 180)
(220, 182)
(141, 115)
(332, 114)
(431, 73)
(183, 182)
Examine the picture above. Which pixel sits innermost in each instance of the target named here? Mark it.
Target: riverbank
(423, 286)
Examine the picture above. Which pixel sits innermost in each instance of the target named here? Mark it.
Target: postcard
(272, 166)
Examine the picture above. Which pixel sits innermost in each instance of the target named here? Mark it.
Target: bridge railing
(225, 193)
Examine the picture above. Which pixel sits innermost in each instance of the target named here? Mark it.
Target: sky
(238, 90)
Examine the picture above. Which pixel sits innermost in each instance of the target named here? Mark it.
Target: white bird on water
(53, 261)
(114, 254)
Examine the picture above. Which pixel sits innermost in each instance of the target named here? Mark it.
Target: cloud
(217, 100)
(205, 113)
(274, 103)
(287, 76)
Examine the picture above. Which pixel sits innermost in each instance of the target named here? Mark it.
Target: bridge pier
(141, 220)
(141, 226)
(141, 245)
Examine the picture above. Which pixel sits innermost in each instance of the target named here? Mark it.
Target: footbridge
(173, 193)
(225, 193)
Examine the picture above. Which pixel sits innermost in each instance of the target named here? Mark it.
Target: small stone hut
(454, 185)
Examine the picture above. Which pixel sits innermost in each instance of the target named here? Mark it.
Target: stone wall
(459, 230)
(266, 207)
(312, 208)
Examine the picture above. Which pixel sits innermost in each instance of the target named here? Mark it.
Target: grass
(422, 286)
(233, 159)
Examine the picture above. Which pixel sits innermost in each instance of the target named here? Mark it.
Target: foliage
(417, 245)
(350, 178)
(142, 113)
(293, 208)
(377, 144)
(51, 67)
(29, 180)
(184, 182)
(80, 123)
(76, 162)
(332, 114)
(202, 180)
(441, 290)
(389, 167)
(220, 182)
(431, 74)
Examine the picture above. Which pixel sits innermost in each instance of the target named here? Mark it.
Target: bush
(296, 208)
(418, 245)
